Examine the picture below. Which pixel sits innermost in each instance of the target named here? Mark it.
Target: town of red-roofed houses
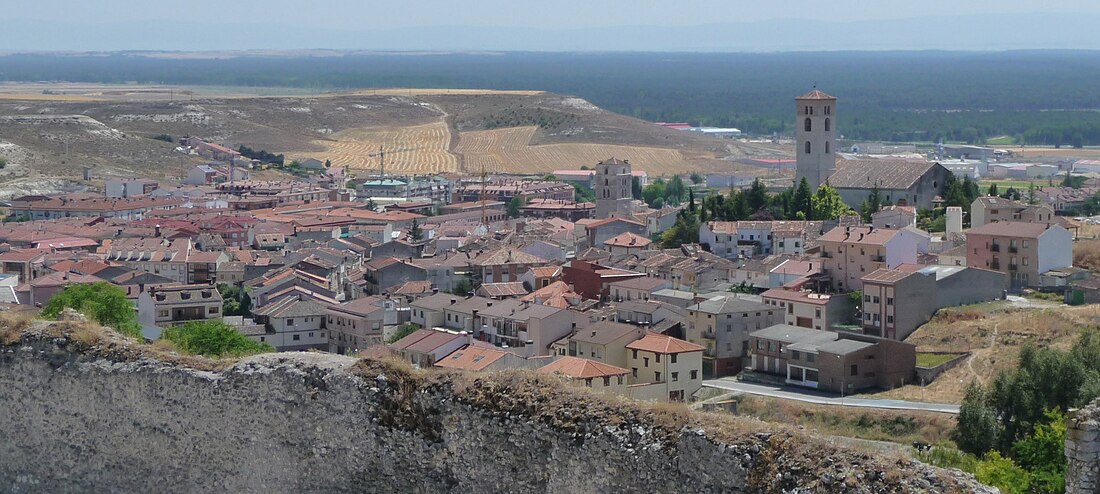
(650, 288)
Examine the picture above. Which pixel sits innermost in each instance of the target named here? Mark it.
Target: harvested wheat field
(993, 333)
(509, 150)
(413, 149)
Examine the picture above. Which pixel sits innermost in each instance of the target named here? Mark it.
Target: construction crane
(381, 154)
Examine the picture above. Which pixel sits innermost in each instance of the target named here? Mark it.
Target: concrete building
(1022, 251)
(838, 362)
(815, 138)
(129, 187)
(355, 325)
(851, 252)
(165, 306)
(293, 323)
(424, 347)
(664, 368)
(722, 325)
(807, 309)
(603, 341)
(985, 210)
(898, 301)
(895, 217)
(613, 188)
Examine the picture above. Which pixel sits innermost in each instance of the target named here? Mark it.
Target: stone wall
(1083, 450)
(86, 411)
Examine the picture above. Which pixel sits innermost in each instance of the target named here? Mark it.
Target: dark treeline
(1037, 97)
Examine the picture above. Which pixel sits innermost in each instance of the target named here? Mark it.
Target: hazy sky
(557, 14)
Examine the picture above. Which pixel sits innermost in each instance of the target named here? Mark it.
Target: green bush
(213, 339)
(101, 302)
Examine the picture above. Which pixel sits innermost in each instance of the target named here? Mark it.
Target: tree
(696, 178)
(685, 231)
(513, 207)
(1043, 453)
(101, 302)
(691, 200)
(757, 196)
(549, 177)
(636, 187)
(674, 194)
(802, 202)
(235, 301)
(213, 339)
(583, 194)
(654, 191)
(328, 164)
(1032, 197)
(463, 287)
(371, 205)
(976, 428)
(871, 205)
(416, 234)
(402, 331)
(1003, 473)
(828, 205)
(992, 190)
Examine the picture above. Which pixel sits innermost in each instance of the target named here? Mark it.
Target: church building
(902, 182)
(613, 188)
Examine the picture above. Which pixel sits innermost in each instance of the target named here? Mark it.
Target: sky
(561, 25)
(557, 14)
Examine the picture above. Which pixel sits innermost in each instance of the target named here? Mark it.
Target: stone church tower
(612, 185)
(815, 137)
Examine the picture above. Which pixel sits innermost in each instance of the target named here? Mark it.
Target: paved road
(820, 398)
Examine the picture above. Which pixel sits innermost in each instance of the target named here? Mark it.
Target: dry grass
(70, 98)
(441, 92)
(994, 334)
(510, 150)
(413, 149)
(902, 427)
(1086, 253)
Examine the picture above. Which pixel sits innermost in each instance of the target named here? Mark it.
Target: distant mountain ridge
(963, 32)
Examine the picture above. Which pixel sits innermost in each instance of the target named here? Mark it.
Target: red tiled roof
(816, 94)
(659, 343)
(471, 357)
(581, 368)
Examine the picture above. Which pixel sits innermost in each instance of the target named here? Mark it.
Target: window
(1026, 243)
(1025, 261)
(826, 123)
(588, 382)
(606, 380)
(646, 361)
(290, 322)
(807, 125)
(634, 353)
(634, 371)
(297, 337)
(759, 344)
(889, 300)
(673, 357)
(311, 335)
(262, 339)
(657, 376)
(889, 319)
(855, 370)
(876, 299)
(828, 111)
(807, 147)
(214, 310)
(621, 378)
(810, 357)
(795, 355)
(866, 298)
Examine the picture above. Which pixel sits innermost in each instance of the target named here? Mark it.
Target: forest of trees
(1035, 97)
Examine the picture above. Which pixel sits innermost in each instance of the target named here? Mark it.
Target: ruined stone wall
(81, 415)
(1083, 450)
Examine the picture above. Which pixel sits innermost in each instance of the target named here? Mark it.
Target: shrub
(213, 339)
(101, 302)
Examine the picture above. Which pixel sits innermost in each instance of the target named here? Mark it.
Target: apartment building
(898, 301)
(664, 368)
(851, 252)
(808, 309)
(722, 325)
(1022, 251)
(170, 305)
(986, 210)
(839, 362)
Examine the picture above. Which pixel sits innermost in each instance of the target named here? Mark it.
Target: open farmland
(510, 150)
(411, 149)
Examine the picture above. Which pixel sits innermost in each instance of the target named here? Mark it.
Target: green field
(1001, 141)
(933, 359)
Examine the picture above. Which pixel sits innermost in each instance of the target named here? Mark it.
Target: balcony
(826, 255)
(878, 258)
(994, 265)
(1012, 267)
(995, 248)
(1013, 249)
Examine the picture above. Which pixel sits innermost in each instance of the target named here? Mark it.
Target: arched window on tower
(807, 147)
(826, 147)
(807, 126)
(826, 125)
(806, 110)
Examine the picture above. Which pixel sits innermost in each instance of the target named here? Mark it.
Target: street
(820, 398)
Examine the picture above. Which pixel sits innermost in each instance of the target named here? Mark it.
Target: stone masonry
(1083, 450)
(84, 413)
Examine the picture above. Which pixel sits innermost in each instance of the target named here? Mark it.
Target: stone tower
(815, 137)
(612, 185)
